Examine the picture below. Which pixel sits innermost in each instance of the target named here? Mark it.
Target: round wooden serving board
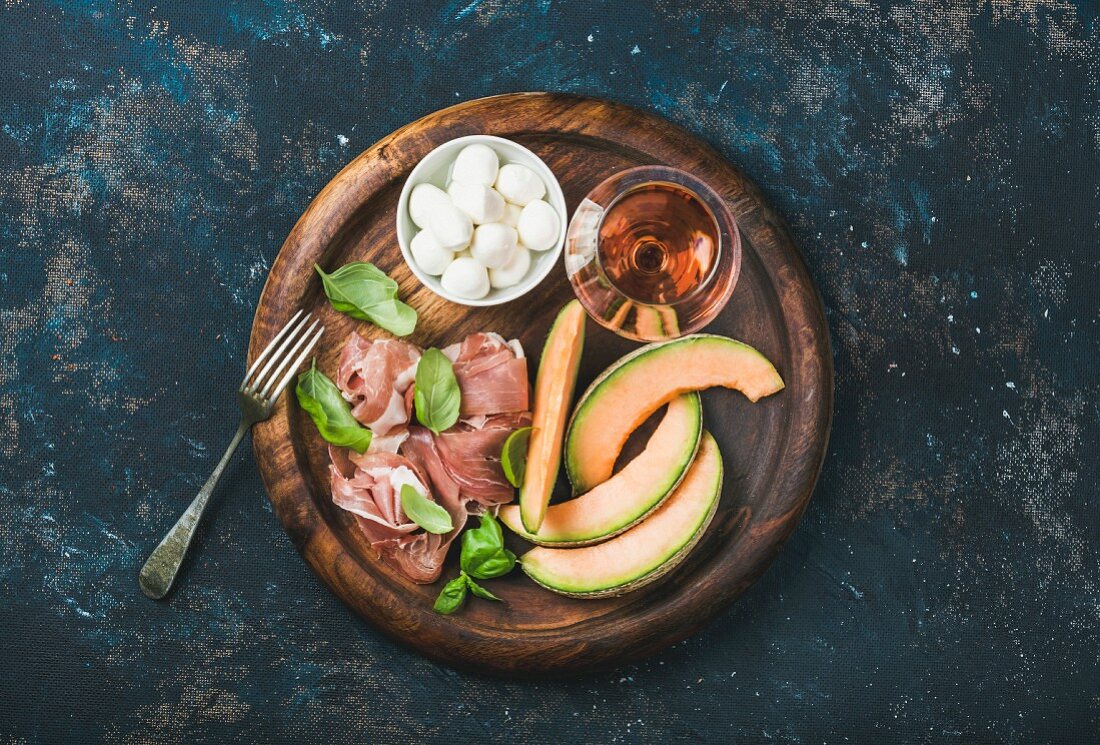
(772, 449)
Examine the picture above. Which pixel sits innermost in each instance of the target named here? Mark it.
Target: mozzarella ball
(519, 184)
(428, 254)
(475, 164)
(539, 226)
(511, 214)
(493, 244)
(423, 200)
(466, 278)
(450, 226)
(514, 271)
(482, 203)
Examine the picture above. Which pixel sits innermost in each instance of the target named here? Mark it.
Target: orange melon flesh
(629, 391)
(647, 323)
(554, 385)
(629, 495)
(670, 322)
(645, 552)
(617, 319)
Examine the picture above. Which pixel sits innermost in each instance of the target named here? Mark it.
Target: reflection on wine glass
(653, 253)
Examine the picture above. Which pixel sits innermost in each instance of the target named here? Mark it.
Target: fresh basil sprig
(424, 512)
(437, 397)
(451, 596)
(480, 591)
(454, 593)
(320, 397)
(513, 456)
(364, 292)
(483, 553)
(483, 557)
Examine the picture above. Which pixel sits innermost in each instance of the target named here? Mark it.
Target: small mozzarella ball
(519, 184)
(424, 199)
(450, 226)
(539, 226)
(511, 214)
(514, 271)
(466, 278)
(475, 164)
(493, 244)
(428, 254)
(482, 203)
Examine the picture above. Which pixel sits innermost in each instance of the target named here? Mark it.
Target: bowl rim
(555, 197)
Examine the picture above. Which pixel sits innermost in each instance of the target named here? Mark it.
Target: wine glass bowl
(653, 253)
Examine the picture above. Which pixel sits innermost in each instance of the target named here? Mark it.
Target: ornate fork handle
(164, 562)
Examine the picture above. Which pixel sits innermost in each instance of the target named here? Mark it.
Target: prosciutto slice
(471, 456)
(491, 374)
(460, 468)
(376, 378)
(369, 486)
(421, 449)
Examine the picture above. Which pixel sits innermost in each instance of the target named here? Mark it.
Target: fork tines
(283, 356)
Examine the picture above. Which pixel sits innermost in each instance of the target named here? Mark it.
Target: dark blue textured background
(938, 164)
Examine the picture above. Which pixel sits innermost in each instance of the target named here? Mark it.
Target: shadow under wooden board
(772, 449)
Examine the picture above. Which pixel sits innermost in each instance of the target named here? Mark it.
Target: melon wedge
(632, 493)
(619, 316)
(670, 322)
(648, 324)
(645, 552)
(641, 382)
(554, 385)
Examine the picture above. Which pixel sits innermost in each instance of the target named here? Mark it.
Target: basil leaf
(478, 590)
(484, 557)
(320, 397)
(451, 596)
(497, 565)
(364, 292)
(513, 456)
(483, 554)
(437, 397)
(394, 316)
(424, 512)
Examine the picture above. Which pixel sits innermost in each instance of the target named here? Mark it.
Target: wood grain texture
(772, 450)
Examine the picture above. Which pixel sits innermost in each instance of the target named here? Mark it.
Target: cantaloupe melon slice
(648, 323)
(645, 552)
(554, 385)
(629, 495)
(618, 318)
(641, 382)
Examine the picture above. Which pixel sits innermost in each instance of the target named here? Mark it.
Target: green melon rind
(617, 369)
(661, 493)
(661, 569)
(648, 323)
(571, 388)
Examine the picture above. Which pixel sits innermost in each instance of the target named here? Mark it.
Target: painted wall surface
(937, 161)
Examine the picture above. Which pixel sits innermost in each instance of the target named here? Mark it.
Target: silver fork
(257, 395)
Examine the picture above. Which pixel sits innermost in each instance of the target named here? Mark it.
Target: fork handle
(159, 571)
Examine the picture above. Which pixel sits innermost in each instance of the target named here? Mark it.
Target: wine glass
(653, 253)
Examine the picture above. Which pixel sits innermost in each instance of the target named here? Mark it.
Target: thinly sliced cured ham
(471, 456)
(465, 460)
(421, 449)
(491, 374)
(376, 378)
(390, 442)
(369, 486)
(460, 468)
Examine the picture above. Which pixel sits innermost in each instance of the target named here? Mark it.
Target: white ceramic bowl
(435, 169)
